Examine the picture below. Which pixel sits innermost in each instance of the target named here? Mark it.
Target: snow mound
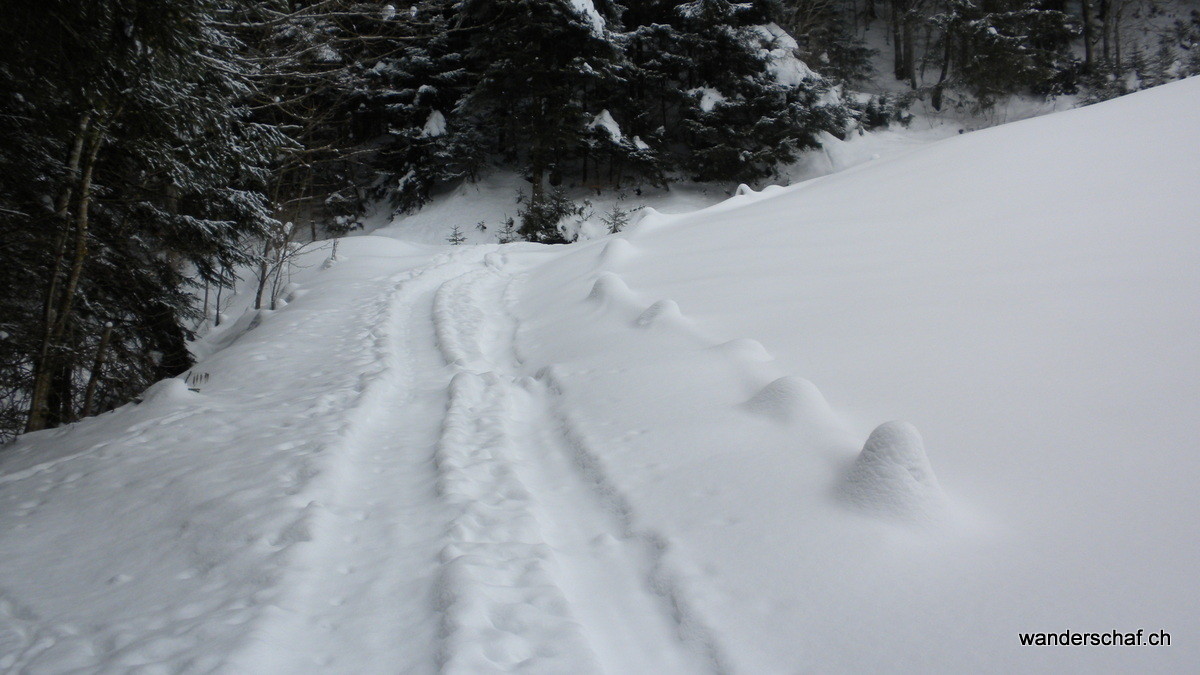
(663, 310)
(587, 9)
(435, 125)
(892, 475)
(788, 399)
(649, 217)
(609, 287)
(616, 251)
(709, 97)
(745, 349)
(779, 50)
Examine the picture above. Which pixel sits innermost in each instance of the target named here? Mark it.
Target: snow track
(539, 575)
(361, 600)
(454, 529)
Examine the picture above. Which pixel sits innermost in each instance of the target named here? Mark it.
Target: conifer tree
(721, 86)
(994, 48)
(133, 165)
(539, 62)
(413, 85)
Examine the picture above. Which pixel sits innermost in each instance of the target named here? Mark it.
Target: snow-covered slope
(1028, 296)
(673, 451)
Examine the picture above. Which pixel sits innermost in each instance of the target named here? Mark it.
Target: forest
(159, 152)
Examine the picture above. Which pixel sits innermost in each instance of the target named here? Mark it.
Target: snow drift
(1025, 295)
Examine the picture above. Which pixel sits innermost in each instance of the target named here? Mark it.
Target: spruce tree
(539, 64)
(721, 86)
(413, 88)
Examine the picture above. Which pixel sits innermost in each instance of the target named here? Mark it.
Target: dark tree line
(984, 50)
(154, 148)
(129, 166)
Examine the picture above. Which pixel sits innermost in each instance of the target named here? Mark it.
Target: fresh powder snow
(882, 420)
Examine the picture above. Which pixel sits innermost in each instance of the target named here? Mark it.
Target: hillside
(645, 453)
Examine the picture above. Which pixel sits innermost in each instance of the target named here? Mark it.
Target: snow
(435, 125)
(587, 8)
(709, 97)
(779, 49)
(892, 475)
(1020, 294)
(604, 120)
(674, 450)
(490, 201)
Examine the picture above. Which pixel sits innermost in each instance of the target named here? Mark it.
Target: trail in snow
(356, 489)
(362, 599)
(154, 536)
(539, 574)
(458, 534)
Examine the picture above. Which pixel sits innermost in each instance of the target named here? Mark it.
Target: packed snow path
(456, 487)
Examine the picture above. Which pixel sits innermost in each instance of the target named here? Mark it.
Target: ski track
(539, 575)
(459, 532)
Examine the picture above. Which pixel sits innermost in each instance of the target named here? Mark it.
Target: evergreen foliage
(994, 48)
(719, 88)
(542, 219)
(604, 101)
(617, 219)
(828, 39)
(410, 99)
(130, 168)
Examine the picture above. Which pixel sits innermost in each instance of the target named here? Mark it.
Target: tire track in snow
(539, 575)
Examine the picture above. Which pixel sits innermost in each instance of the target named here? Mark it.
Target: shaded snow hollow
(662, 452)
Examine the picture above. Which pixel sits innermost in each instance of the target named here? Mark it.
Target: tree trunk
(50, 359)
(538, 171)
(62, 213)
(263, 273)
(898, 56)
(910, 52)
(204, 317)
(1105, 28)
(220, 290)
(89, 396)
(938, 89)
(1116, 31)
(1088, 38)
(59, 401)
